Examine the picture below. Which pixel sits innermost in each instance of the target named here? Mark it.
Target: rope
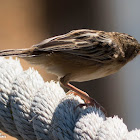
(31, 109)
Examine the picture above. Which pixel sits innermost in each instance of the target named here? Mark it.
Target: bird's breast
(78, 69)
(94, 72)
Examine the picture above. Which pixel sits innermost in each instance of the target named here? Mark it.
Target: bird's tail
(16, 52)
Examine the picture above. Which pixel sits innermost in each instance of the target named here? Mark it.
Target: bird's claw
(92, 102)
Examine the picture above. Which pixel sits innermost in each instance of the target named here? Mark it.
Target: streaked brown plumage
(81, 55)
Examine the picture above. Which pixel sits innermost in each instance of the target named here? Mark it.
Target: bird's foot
(88, 102)
(92, 102)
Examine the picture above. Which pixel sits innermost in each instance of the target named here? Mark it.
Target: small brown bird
(81, 55)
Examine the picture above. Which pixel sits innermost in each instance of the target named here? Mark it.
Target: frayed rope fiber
(31, 109)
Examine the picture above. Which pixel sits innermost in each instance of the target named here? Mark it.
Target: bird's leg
(78, 92)
(88, 100)
(82, 94)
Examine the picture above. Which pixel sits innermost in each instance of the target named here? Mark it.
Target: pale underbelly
(83, 76)
(86, 74)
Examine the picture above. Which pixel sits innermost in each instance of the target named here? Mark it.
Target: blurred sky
(24, 23)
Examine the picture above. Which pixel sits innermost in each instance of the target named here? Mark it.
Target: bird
(81, 55)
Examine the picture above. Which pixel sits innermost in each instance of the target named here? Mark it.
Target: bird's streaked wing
(88, 44)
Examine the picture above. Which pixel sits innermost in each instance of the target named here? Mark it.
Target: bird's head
(130, 46)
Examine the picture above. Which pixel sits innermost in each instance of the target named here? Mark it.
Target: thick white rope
(31, 109)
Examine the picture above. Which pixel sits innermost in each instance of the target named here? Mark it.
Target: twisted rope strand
(31, 109)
